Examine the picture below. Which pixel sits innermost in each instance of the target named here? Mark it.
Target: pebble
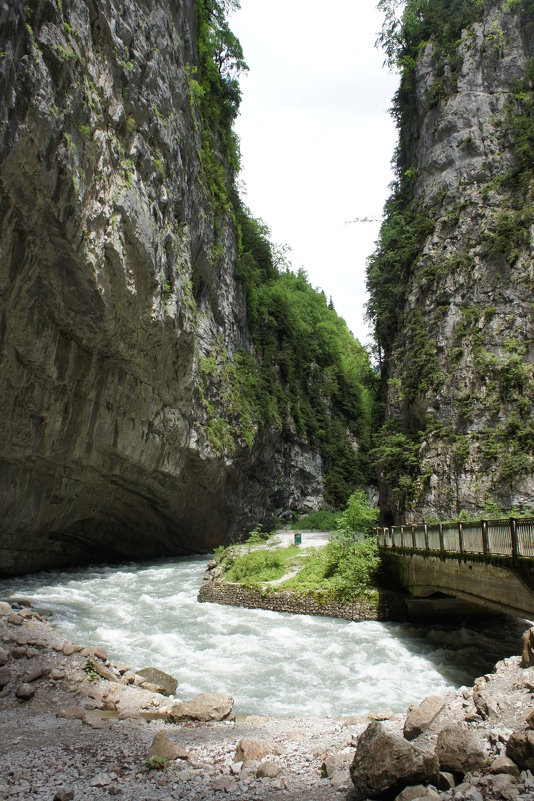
(25, 691)
(100, 780)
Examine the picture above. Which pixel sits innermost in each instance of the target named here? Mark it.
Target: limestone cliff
(124, 428)
(452, 279)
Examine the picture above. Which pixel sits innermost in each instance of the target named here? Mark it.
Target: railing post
(413, 537)
(441, 540)
(485, 538)
(392, 536)
(461, 536)
(426, 537)
(513, 531)
(390, 533)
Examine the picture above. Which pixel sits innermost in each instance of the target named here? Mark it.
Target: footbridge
(489, 563)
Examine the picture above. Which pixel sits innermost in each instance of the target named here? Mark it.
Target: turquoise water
(271, 663)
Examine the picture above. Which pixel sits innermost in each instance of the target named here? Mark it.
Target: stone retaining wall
(386, 606)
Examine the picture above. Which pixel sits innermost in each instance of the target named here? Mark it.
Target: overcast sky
(316, 137)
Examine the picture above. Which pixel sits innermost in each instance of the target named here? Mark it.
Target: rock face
(115, 286)
(460, 368)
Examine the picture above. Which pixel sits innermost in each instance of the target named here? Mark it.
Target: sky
(316, 137)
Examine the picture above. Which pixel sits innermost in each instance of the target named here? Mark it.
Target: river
(271, 663)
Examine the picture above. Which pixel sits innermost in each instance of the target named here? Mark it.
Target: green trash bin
(298, 538)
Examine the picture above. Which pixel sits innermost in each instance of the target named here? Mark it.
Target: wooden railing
(511, 537)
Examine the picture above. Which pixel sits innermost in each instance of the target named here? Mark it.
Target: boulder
(15, 619)
(529, 719)
(460, 750)
(446, 781)
(24, 692)
(504, 764)
(204, 707)
(268, 770)
(386, 762)
(417, 791)
(249, 750)
(158, 681)
(5, 609)
(520, 749)
(4, 656)
(166, 748)
(419, 718)
(527, 659)
(4, 677)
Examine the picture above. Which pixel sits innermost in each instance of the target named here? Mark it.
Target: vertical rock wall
(461, 368)
(114, 289)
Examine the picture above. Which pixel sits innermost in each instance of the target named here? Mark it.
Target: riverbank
(75, 726)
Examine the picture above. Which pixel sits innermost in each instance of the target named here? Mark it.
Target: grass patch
(322, 520)
(256, 567)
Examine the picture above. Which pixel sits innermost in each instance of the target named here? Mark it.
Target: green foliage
(156, 762)
(322, 520)
(343, 569)
(314, 374)
(257, 536)
(395, 455)
(308, 373)
(359, 518)
(256, 567)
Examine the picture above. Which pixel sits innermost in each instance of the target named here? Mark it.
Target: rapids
(271, 663)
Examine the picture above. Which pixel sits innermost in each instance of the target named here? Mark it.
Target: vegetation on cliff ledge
(305, 374)
(408, 292)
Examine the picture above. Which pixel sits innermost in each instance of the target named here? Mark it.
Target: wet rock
(69, 648)
(460, 750)
(158, 681)
(5, 609)
(419, 718)
(268, 770)
(4, 677)
(520, 749)
(25, 691)
(385, 762)
(527, 659)
(15, 619)
(204, 707)
(4, 656)
(251, 750)
(166, 748)
(100, 653)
